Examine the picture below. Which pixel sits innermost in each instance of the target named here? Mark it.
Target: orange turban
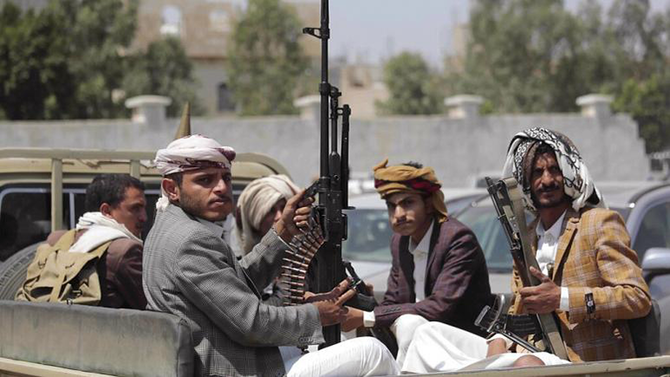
(404, 178)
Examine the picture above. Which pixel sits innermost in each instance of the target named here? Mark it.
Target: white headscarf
(190, 153)
(256, 201)
(100, 229)
(577, 181)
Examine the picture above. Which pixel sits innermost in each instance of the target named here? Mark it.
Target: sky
(372, 30)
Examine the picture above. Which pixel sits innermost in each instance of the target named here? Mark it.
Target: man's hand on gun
(295, 215)
(354, 318)
(543, 298)
(331, 305)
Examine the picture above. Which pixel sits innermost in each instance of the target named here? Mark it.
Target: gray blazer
(191, 272)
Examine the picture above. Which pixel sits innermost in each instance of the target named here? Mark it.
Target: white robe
(426, 347)
(363, 356)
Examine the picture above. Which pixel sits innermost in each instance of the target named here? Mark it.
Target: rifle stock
(333, 179)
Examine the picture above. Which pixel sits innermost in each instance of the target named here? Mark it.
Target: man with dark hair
(106, 194)
(109, 188)
(116, 212)
(438, 271)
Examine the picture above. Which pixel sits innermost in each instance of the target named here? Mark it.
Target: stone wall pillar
(310, 107)
(463, 106)
(595, 105)
(148, 109)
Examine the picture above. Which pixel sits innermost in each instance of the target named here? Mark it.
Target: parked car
(368, 245)
(645, 207)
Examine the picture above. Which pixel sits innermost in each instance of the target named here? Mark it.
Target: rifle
(513, 327)
(507, 200)
(364, 300)
(333, 180)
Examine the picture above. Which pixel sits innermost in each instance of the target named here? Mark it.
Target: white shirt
(547, 244)
(547, 247)
(420, 254)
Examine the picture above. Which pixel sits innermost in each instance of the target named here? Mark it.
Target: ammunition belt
(295, 263)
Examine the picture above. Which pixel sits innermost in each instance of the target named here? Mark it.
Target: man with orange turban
(438, 272)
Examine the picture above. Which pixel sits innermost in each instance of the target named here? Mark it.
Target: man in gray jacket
(190, 271)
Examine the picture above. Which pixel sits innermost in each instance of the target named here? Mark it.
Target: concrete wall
(458, 149)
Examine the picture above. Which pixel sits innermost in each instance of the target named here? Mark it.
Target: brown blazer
(120, 271)
(594, 257)
(457, 281)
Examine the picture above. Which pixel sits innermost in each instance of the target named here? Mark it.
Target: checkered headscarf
(577, 181)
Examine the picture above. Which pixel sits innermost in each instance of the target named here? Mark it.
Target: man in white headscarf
(191, 272)
(259, 206)
(590, 277)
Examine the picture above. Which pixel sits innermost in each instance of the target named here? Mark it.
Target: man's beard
(551, 204)
(194, 207)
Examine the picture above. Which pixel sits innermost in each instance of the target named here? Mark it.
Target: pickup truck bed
(72, 340)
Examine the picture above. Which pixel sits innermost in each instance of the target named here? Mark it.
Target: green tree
(66, 60)
(98, 34)
(411, 85)
(34, 76)
(163, 69)
(517, 49)
(536, 56)
(648, 102)
(266, 59)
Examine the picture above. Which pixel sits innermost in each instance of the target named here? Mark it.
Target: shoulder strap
(45, 250)
(66, 240)
(97, 253)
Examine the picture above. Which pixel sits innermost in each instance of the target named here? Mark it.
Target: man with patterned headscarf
(438, 271)
(190, 271)
(590, 277)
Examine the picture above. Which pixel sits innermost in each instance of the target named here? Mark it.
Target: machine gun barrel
(328, 270)
(346, 113)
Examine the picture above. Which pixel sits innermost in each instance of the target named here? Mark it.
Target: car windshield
(484, 223)
(458, 204)
(369, 236)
